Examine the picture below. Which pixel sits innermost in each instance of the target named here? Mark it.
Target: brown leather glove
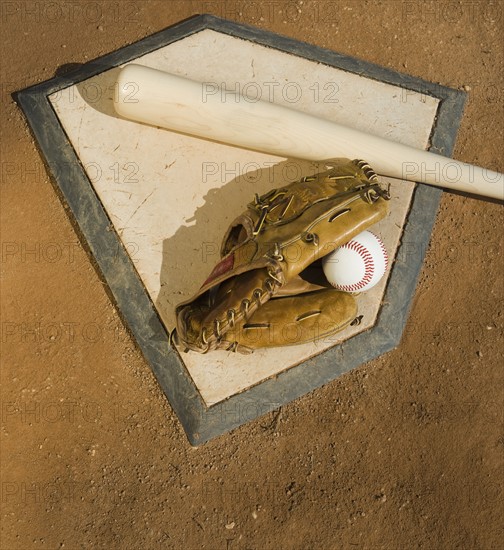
(267, 290)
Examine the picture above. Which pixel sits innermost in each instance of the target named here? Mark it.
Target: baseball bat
(176, 103)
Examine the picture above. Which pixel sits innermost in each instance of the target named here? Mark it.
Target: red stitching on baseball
(368, 267)
(384, 250)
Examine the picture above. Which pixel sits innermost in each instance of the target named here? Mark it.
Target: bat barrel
(176, 103)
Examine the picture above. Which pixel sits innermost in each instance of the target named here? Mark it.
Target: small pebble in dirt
(230, 525)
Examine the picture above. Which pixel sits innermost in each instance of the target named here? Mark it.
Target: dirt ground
(404, 452)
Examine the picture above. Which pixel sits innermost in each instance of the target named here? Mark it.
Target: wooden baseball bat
(161, 99)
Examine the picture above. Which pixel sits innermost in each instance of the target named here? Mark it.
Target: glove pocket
(293, 320)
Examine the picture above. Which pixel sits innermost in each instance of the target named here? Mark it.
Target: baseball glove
(267, 290)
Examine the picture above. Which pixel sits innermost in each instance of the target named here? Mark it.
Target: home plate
(154, 205)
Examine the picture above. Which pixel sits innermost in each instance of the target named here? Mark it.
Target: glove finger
(294, 320)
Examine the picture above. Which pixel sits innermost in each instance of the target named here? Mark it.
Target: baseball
(357, 265)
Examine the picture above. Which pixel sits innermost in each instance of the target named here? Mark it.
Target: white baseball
(357, 265)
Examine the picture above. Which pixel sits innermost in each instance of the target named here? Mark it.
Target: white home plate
(171, 197)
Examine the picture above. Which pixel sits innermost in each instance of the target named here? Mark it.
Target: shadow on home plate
(191, 253)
